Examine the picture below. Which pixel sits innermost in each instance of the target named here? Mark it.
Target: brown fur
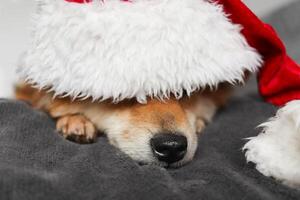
(166, 115)
(128, 121)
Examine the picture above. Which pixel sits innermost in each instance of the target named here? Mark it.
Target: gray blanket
(36, 163)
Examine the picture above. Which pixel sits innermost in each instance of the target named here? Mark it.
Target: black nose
(169, 148)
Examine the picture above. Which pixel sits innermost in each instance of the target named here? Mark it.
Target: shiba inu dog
(159, 132)
(139, 65)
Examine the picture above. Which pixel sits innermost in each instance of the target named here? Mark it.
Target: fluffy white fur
(276, 151)
(114, 49)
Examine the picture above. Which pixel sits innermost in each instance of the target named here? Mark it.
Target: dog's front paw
(77, 128)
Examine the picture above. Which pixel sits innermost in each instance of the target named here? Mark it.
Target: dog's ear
(30, 94)
(24, 92)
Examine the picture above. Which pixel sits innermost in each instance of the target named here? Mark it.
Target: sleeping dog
(116, 50)
(159, 132)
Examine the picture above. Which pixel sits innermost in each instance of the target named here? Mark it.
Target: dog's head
(158, 132)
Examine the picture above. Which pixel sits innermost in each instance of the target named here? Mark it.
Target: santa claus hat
(117, 49)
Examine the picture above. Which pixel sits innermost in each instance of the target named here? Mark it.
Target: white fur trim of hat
(117, 50)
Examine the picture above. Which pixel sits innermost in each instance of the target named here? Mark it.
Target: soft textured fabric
(116, 50)
(37, 163)
(279, 78)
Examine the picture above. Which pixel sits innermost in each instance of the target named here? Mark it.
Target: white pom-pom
(276, 151)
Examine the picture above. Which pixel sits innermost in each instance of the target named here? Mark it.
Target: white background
(14, 33)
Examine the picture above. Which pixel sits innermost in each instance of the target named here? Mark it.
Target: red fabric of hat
(279, 79)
